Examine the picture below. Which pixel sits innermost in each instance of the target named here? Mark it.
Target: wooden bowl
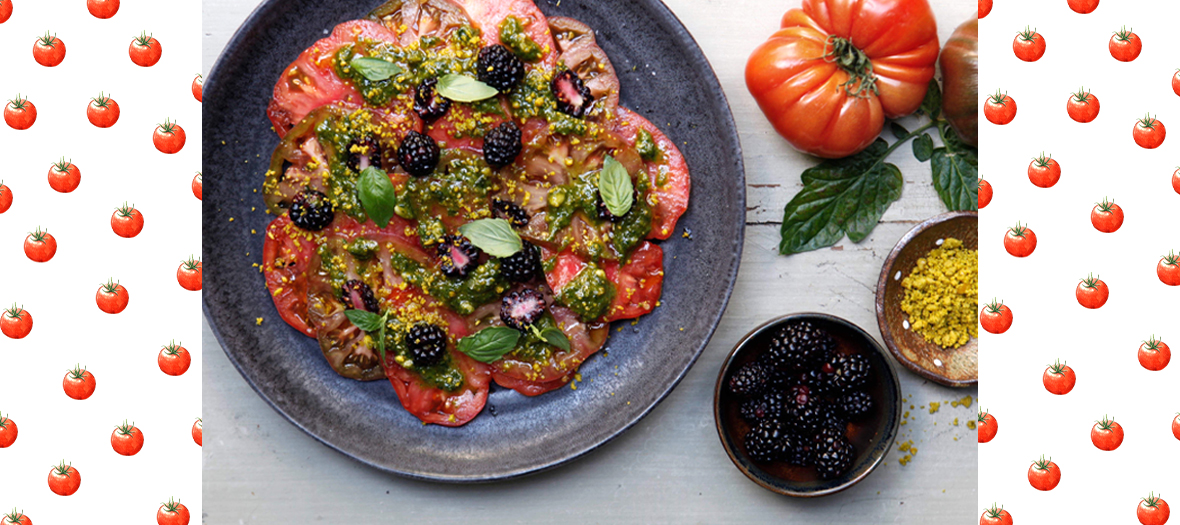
(957, 367)
(871, 435)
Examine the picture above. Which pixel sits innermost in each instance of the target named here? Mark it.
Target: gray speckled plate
(664, 76)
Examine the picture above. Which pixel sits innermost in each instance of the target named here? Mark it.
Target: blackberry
(799, 450)
(749, 380)
(522, 266)
(499, 67)
(427, 344)
(605, 214)
(808, 418)
(362, 153)
(833, 454)
(819, 380)
(764, 442)
(833, 419)
(429, 105)
(457, 256)
(771, 405)
(358, 295)
(855, 404)
(522, 308)
(418, 154)
(848, 372)
(311, 210)
(502, 144)
(511, 212)
(573, 97)
(799, 346)
(799, 395)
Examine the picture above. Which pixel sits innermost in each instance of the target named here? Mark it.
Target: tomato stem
(855, 62)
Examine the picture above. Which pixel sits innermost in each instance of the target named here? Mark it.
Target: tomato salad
(461, 199)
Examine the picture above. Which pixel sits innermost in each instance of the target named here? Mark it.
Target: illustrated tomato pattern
(125, 414)
(1102, 433)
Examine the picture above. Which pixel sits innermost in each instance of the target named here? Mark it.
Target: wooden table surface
(670, 467)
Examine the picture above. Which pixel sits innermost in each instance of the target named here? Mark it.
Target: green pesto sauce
(332, 268)
(646, 145)
(483, 285)
(534, 98)
(443, 375)
(460, 186)
(636, 224)
(588, 294)
(338, 134)
(362, 249)
(581, 195)
(428, 59)
(513, 36)
(533, 348)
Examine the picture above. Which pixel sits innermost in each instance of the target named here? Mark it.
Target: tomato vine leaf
(955, 168)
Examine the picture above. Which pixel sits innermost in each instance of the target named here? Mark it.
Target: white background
(1098, 159)
(117, 164)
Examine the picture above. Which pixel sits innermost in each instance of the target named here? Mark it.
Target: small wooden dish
(957, 367)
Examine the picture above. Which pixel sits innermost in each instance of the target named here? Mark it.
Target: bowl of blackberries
(807, 404)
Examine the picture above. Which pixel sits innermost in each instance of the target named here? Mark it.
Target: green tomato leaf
(377, 195)
(556, 337)
(899, 131)
(842, 196)
(374, 69)
(494, 236)
(932, 103)
(489, 344)
(615, 187)
(923, 147)
(955, 167)
(365, 320)
(462, 88)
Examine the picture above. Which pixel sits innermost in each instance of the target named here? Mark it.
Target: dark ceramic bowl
(956, 367)
(871, 435)
(664, 77)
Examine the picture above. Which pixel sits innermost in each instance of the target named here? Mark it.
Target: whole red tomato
(987, 427)
(1083, 6)
(874, 69)
(5, 197)
(40, 246)
(189, 274)
(1175, 185)
(1125, 46)
(1176, 426)
(1168, 269)
(198, 431)
(197, 183)
(6, 10)
(1059, 379)
(64, 479)
(985, 193)
(1044, 172)
(127, 439)
(102, 8)
(1107, 217)
(1106, 434)
(959, 62)
(1082, 106)
(1149, 133)
(995, 516)
(14, 517)
(127, 221)
(145, 51)
(49, 50)
(198, 87)
(8, 432)
(16, 322)
(1154, 354)
(103, 111)
(1044, 474)
(79, 383)
(985, 7)
(64, 176)
(1153, 510)
(1020, 241)
(111, 297)
(1029, 45)
(1092, 292)
(174, 359)
(19, 113)
(172, 513)
(996, 318)
(168, 137)
(999, 109)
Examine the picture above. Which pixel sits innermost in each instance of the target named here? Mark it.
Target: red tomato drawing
(172, 513)
(1029, 45)
(1044, 172)
(1083, 6)
(189, 274)
(64, 176)
(197, 186)
(1082, 106)
(40, 246)
(1044, 474)
(64, 479)
(79, 383)
(1059, 379)
(999, 108)
(112, 297)
(1149, 133)
(1107, 217)
(1153, 510)
(1106, 434)
(198, 87)
(987, 427)
(985, 193)
(16, 322)
(995, 317)
(127, 439)
(1176, 82)
(198, 431)
(1176, 426)
(8, 432)
(168, 137)
(985, 7)
(102, 8)
(1092, 292)
(14, 517)
(174, 359)
(127, 221)
(145, 51)
(1020, 241)
(49, 50)
(995, 516)
(5, 196)
(6, 12)
(20, 113)
(1125, 46)
(1175, 186)
(1154, 354)
(103, 111)
(1168, 269)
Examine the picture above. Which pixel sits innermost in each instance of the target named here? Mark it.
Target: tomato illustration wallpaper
(99, 238)
(1077, 245)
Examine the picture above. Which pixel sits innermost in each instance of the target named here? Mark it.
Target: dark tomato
(668, 173)
(960, 79)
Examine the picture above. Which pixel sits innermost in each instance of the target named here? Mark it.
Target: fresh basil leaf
(462, 88)
(365, 320)
(955, 168)
(556, 337)
(381, 340)
(375, 69)
(923, 147)
(377, 195)
(899, 131)
(932, 103)
(489, 344)
(840, 196)
(615, 187)
(494, 236)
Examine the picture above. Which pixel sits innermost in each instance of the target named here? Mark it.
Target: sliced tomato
(582, 55)
(286, 256)
(530, 388)
(458, 120)
(487, 15)
(672, 195)
(585, 340)
(413, 19)
(638, 283)
(434, 405)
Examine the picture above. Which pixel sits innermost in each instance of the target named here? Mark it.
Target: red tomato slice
(487, 15)
(286, 255)
(414, 19)
(434, 405)
(672, 195)
(529, 388)
(585, 340)
(638, 283)
(443, 130)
